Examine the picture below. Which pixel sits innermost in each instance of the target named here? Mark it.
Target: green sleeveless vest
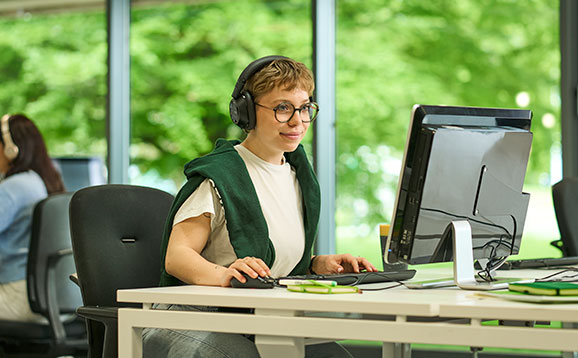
(244, 219)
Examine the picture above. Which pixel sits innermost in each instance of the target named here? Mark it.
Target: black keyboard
(359, 278)
(538, 263)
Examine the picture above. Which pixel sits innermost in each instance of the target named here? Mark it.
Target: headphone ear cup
(242, 111)
(251, 117)
(234, 112)
(242, 107)
(10, 149)
(11, 152)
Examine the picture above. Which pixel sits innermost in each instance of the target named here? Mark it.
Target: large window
(53, 69)
(185, 60)
(186, 56)
(393, 54)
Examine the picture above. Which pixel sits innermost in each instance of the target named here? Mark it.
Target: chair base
(24, 339)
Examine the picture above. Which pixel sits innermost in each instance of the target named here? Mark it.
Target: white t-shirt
(281, 203)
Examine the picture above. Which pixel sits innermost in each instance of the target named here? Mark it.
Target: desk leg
(396, 350)
(275, 347)
(278, 346)
(129, 337)
(569, 325)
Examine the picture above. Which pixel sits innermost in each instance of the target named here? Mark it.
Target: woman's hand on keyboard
(342, 263)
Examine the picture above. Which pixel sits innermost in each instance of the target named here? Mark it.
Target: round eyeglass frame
(274, 109)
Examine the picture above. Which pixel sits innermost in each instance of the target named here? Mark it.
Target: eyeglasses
(285, 111)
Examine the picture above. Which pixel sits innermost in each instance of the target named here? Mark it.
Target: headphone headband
(242, 107)
(251, 69)
(10, 149)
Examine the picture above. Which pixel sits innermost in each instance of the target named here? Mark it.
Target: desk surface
(446, 302)
(282, 319)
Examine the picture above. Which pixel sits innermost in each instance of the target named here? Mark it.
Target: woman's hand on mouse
(252, 266)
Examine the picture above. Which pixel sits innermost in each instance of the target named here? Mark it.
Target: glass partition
(185, 60)
(53, 69)
(394, 54)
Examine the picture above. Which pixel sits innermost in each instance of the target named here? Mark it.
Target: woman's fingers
(252, 266)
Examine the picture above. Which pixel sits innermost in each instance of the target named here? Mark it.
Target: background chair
(116, 236)
(50, 292)
(565, 197)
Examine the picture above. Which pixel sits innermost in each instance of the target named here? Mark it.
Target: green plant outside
(185, 59)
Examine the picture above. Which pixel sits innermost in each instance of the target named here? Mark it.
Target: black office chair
(50, 293)
(565, 197)
(116, 236)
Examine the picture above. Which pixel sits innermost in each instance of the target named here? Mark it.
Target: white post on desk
(129, 337)
(396, 350)
(569, 325)
(270, 346)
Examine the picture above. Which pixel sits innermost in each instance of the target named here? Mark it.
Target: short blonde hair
(284, 73)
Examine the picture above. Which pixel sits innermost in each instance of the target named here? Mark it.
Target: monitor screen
(461, 163)
(80, 172)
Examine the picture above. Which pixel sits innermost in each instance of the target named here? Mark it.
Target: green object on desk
(546, 288)
(523, 297)
(323, 289)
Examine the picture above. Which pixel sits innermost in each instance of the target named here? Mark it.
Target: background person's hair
(32, 153)
(285, 73)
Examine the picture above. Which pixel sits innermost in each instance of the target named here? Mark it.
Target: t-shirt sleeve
(199, 202)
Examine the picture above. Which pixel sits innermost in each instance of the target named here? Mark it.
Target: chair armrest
(53, 308)
(109, 317)
(74, 278)
(100, 314)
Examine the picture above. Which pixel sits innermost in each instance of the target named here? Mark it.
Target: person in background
(249, 207)
(27, 175)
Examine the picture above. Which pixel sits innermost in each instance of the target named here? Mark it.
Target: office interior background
(161, 94)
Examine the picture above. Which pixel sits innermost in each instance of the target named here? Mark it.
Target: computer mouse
(259, 282)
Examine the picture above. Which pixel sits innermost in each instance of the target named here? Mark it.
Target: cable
(468, 218)
(552, 277)
(379, 273)
(384, 288)
(493, 261)
(363, 279)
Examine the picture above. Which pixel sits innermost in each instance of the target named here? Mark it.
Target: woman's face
(270, 139)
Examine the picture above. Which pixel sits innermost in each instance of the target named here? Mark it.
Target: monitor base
(463, 258)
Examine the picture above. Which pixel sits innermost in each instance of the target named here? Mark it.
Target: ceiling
(24, 7)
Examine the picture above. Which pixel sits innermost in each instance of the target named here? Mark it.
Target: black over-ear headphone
(242, 107)
(10, 149)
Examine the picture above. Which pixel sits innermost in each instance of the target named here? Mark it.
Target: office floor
(374, 351)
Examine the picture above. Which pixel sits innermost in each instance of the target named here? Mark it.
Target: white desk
(283, 318)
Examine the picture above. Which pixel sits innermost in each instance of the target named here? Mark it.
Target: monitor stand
(464, 274)
(460, 232)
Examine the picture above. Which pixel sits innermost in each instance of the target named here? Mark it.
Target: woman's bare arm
(184, 261)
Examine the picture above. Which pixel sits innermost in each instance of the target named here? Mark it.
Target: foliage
(53, 69)
(467, 53)
(185, 59)
(185, 62)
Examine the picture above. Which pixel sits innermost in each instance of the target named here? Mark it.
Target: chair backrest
(116, 235)
(565, 197)
(50, 236)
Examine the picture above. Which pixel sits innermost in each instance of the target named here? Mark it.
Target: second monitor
(462, 177)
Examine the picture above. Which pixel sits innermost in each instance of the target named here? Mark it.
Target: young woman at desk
(27, 176)
(250, 207)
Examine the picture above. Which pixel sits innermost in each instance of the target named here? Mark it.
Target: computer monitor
(80, 172)
(461, 184)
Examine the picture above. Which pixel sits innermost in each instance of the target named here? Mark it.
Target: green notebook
(546, 288)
